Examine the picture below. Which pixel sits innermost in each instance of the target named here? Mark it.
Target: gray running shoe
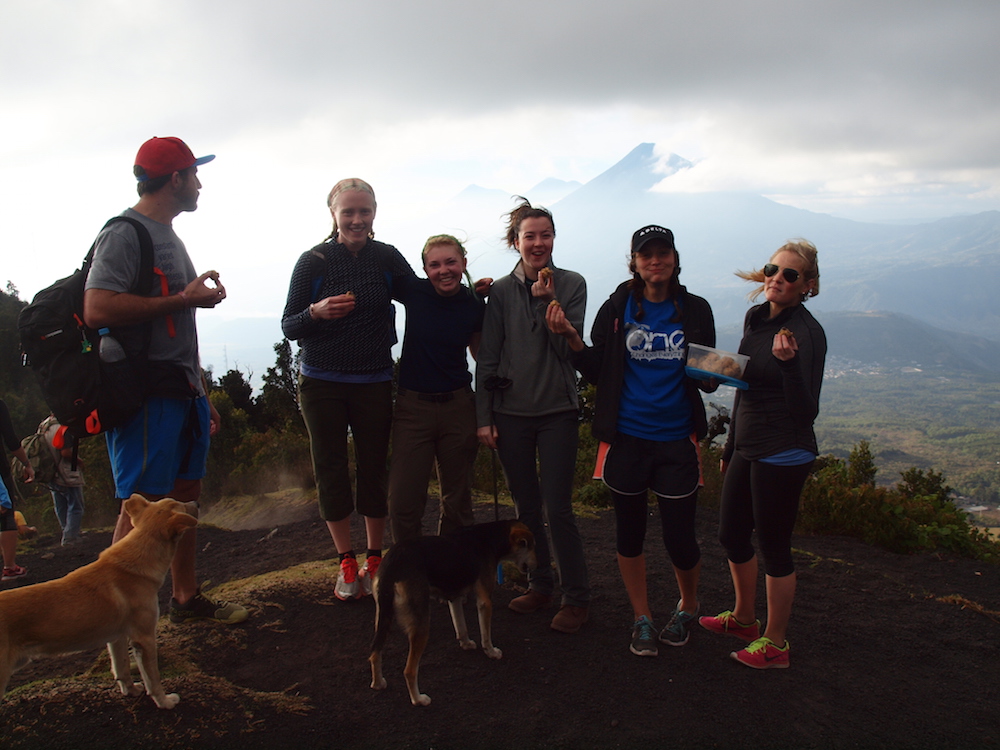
(643, 638)
(678, 630)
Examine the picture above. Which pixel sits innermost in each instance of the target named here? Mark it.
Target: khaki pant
(426, 433)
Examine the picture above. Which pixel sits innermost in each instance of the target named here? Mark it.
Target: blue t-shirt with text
(654, 404)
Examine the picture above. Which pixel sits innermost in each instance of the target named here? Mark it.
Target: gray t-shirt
(116, 267)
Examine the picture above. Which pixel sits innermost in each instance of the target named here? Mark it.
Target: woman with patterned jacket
(339, 310)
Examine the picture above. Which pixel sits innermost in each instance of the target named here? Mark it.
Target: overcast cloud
(863, 109)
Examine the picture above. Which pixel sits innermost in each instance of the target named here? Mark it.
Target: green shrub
(917, 514)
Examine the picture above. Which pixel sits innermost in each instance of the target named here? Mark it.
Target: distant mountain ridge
(895, 341)
(944, 273)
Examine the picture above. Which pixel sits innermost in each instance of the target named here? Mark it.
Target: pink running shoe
(726, 624)
(763, 654)
(9, 574)
(347, 587)
(367, 574)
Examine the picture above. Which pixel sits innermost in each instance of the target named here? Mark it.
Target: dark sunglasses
(790, 274)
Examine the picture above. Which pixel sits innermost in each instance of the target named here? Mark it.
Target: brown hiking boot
(530, 602)
(569, 619)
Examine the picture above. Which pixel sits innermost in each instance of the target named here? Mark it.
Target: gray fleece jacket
(517, 345)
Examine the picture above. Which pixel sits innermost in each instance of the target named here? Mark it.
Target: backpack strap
(146, 271)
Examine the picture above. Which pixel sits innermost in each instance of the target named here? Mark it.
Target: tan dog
(112, 600)
(447, 567)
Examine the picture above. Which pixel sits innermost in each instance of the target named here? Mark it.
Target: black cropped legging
(764, 497)
(677, 516)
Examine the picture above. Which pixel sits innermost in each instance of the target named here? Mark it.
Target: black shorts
(631, 466)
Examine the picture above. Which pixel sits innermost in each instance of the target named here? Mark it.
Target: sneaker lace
(760, 644)
(674, 625)
(644, 629)
(349, 567)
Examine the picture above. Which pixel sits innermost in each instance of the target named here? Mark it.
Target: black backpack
(86, 395)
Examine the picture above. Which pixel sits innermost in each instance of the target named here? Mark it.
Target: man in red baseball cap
(159, 157)
(163, 450)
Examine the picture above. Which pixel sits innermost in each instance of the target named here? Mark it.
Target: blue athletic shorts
(166, 441)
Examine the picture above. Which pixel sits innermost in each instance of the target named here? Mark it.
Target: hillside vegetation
(905, 422)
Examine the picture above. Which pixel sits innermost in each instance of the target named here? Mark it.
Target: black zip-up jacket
(777, 412)
(603, 364)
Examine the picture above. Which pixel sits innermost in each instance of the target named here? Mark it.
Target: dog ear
(181, 522)
(135, 505)
(521, 537)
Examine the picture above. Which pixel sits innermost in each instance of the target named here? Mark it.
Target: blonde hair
(447, 240)
(802, 248)
(351, 183)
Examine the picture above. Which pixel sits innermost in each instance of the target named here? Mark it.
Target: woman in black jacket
(649, 418)
(771, 449)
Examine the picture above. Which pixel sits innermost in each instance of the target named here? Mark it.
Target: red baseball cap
(162, 156)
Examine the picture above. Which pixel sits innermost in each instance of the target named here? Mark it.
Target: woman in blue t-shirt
(434, 422)
(649, 417)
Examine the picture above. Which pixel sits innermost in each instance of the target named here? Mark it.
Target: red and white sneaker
(726, 624)
(763, 654)
(9, 574)
(347, 587)
(367, 574)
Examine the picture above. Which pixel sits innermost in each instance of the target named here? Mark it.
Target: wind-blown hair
(519, 213)
(806, 251)
(351, 183)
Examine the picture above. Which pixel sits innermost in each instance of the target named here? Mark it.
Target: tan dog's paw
(167, 701)
(130, 688)
(421, 700)
(378, 684)
(493, 652)
(468, 645)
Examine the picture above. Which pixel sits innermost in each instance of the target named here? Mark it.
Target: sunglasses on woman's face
(790, 274)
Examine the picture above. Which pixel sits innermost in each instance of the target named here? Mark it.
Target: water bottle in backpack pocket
(122, 391)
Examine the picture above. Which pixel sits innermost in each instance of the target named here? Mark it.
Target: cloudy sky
(870, 110)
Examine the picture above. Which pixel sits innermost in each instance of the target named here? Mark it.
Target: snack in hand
(544, 275)
(554, 303)
(786, 332)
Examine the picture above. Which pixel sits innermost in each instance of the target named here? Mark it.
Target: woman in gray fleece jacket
(527, 405)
